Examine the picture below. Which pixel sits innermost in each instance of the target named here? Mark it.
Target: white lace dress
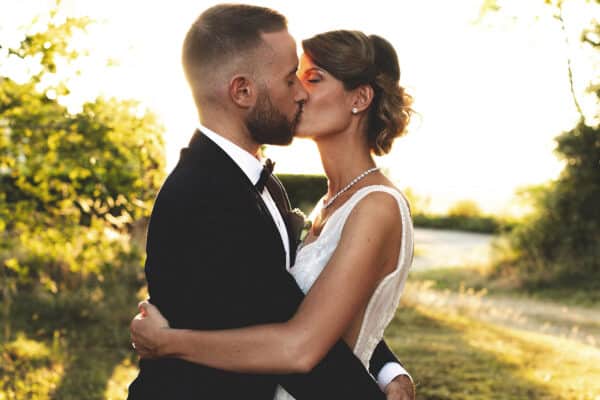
(312, 258)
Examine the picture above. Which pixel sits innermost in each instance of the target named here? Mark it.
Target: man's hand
(145, 330)
(400, 388)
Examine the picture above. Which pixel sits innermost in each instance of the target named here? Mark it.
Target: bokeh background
(501, 164)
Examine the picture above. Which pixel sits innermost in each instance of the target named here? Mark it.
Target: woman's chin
(301, 134)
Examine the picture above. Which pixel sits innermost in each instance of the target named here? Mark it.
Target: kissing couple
(239, 307)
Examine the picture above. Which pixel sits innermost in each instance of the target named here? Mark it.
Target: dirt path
(574, 323)
(437, 248)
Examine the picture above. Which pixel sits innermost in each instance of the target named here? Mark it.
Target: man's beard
(268, 125)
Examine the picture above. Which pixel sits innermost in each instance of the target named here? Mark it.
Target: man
(218, 246)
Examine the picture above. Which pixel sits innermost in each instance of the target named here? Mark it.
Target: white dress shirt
(252, 167)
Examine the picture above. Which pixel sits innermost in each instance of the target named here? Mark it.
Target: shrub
(560, 242)
(304, 190)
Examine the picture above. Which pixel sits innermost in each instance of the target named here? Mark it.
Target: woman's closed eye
(313, 78)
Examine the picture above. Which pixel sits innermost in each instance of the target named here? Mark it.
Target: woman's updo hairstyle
(357, 59)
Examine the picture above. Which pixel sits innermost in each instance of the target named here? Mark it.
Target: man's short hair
(222, 34)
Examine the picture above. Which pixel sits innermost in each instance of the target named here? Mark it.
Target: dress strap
(363, 192)
(403, 205)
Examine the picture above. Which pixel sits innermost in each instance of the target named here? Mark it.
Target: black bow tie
(264, 175)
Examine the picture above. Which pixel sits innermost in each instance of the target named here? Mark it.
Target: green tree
(560, 242)
(72, 185)
(465, 208)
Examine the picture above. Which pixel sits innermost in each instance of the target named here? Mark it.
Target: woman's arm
(340, 293)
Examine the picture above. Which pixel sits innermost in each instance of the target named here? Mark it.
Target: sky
(490, 96)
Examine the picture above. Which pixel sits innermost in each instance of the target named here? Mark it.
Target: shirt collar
(251, 166)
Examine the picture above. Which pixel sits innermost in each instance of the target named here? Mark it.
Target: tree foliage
(560, 242)
(72, 185)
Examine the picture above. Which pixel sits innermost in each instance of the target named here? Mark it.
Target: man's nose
(301, 94)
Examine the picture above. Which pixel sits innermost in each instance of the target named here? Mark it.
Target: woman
(361, 241)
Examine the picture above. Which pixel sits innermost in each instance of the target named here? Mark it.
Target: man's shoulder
(192, 180)
(208, 190)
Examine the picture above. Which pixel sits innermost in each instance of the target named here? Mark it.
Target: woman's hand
(147, 331)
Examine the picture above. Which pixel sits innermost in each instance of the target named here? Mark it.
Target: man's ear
(363, 96)
(242, 91)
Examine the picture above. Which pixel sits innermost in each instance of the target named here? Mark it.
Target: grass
(481, 278)
(454, 357)
(32, 368)
(70, 347)
(474, 223)
(79, 348)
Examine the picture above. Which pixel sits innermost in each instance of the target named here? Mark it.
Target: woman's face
(328, 108)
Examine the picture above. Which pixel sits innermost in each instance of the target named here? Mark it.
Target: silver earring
(354, 110)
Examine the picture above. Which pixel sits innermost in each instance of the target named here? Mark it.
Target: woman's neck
(343, 158)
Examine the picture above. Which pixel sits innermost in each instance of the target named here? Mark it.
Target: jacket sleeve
(381, 356)
(231, 285)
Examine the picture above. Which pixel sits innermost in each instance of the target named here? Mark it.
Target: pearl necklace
(354, 181)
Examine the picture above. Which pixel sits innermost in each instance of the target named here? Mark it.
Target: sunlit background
(490, 299)
(491, 91)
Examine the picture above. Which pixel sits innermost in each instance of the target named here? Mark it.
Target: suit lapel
(282, 201)
(201, 147)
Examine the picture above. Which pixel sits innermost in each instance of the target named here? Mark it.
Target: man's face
(269, 125)
(274, 117)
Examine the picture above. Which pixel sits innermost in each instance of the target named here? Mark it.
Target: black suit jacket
(215, 261)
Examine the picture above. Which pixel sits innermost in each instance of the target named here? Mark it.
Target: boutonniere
(299, 224)
(305, 229)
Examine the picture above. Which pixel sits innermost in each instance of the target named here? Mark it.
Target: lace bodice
(313, 257)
